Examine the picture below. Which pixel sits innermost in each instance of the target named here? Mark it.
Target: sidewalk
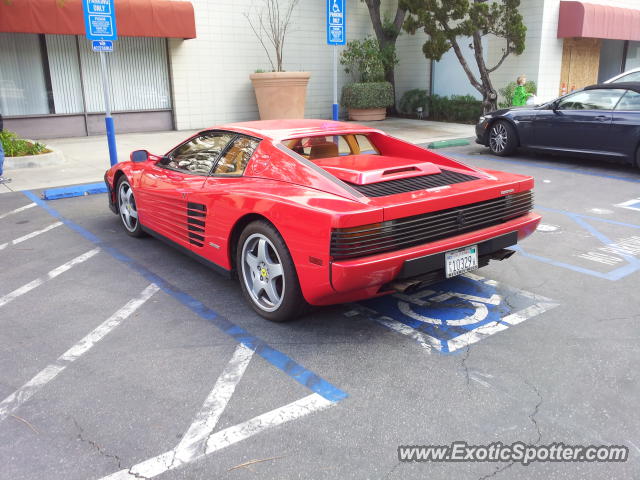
(87, 158)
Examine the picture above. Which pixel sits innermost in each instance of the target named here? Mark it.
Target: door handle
(603, 118)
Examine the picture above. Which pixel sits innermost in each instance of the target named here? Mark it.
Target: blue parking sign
(336, 32)
(100, 19)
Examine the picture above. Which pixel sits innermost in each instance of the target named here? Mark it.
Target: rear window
(328, 146)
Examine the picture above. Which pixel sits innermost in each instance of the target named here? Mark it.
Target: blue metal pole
(336, 108)
(108, 120)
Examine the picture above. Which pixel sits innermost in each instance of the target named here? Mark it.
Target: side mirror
(139, 156)
(554, 105)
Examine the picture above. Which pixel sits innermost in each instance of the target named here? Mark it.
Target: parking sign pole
(108, 120)
(336, 108)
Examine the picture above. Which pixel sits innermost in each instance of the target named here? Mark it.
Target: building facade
(186, 71)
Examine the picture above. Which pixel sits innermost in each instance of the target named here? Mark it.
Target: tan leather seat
(324, 150)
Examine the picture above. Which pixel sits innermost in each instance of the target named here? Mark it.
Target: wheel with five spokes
(127, 208)
(267, 274)
(502, 139)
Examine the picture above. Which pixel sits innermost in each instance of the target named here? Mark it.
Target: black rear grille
(429, 227)
(392, 187)
(196, 215)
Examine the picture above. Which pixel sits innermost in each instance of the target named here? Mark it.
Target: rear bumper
(361, 276)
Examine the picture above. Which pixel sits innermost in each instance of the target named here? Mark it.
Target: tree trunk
(386, 39)
(489, 95)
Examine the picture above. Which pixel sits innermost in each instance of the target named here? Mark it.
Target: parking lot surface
(123, 358)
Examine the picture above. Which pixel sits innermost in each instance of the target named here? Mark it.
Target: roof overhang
(587, 20)
(134, 18)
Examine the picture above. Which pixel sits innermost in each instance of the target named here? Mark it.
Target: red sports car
(315, 212)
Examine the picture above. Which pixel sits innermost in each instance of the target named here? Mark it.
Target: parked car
(600, 120)
(319, 212)
(632, 75)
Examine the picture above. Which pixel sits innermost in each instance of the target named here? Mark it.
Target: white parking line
(219, 440)
(17, 210)
(52, 274)
(24, 393)
(29, 235)
(194, 441)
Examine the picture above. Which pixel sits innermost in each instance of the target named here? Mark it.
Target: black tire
(267, 274)
(126, 203)
(503, 139)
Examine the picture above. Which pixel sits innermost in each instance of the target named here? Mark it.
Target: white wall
(211, 72)
(449, 77)
(413, 69)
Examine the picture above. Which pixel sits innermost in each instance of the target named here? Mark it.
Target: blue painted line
(74, 191)
(590, 217)
(545, 166)
(278, 359)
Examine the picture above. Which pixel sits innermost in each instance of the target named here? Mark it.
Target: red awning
(579, 19)
(134, 18)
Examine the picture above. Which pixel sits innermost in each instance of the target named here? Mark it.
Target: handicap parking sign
(456, 313)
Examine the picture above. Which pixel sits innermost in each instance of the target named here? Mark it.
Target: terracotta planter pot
(280, 94)
(367, 114)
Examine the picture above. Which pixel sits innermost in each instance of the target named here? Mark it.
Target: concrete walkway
(87, 158)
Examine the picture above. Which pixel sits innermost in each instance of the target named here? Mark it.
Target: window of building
(235, 159)
(60, 74)
(629, 102)
(23, 84)
(198, 155)
(604, 99)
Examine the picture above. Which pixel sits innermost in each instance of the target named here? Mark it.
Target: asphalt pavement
(123, 358)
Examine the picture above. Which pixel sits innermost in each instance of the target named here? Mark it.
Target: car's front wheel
(267, 274)
(502, 139)
(127, 208)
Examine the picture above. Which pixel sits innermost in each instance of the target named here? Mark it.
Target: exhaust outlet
(502, 254)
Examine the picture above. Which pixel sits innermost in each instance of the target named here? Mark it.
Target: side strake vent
(403, 185)
(196, 216)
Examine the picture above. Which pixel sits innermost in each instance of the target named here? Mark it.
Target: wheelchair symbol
(467, 310)
(335, 7)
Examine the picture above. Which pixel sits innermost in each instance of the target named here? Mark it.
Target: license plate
(461, 260)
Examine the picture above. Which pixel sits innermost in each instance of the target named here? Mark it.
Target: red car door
(165, 188)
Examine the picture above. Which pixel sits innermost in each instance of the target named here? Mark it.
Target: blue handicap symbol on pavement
(456, 312)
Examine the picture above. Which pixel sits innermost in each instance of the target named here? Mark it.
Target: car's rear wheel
(267, 274)
(502, 138)
(127, 208)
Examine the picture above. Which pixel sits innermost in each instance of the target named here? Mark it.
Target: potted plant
(279, 94)
(367, 100)
(369, 96)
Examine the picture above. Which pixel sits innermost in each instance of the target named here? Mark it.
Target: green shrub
(457, 108)
(507, 92)
(367, 95)
(17, 147)
(412, 99)
(366, 61)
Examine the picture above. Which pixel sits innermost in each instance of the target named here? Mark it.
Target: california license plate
(461, 260)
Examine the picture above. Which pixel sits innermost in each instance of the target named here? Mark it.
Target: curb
(54, 157)
(74, 191)
(456, 142)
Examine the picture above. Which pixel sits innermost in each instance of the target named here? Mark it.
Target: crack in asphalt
(95, 445)
(463, 363)
(533, 414)
(497, 471)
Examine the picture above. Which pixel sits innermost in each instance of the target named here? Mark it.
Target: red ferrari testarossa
(320, 212)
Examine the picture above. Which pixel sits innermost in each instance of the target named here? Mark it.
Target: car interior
(325, 146)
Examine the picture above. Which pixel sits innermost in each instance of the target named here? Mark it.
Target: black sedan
(600, 120)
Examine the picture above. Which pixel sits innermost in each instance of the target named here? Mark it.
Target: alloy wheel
(498, 138)
(127, 207)
(262, 272)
